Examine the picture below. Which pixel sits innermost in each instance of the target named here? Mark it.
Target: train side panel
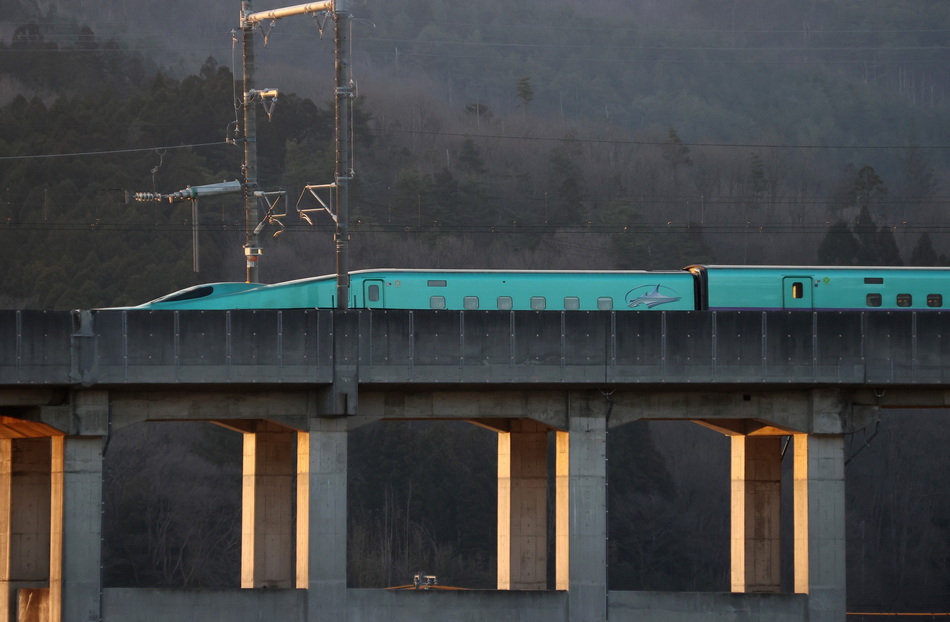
(572, 291)
(453, 290)
(891, 289)
(742, 288)
(824, 288)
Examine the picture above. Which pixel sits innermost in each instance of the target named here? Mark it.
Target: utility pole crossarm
(191, 193)
(299, 9)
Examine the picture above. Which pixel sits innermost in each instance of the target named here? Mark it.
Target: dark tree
(676, 155)
(924, 253)
(839, 246)
(470, 159)
(525, 92)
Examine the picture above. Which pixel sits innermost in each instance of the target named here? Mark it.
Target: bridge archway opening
(668, 507)
(421, 499)
(172, 506)
(898, 513)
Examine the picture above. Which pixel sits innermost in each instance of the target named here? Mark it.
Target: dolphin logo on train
(650, 296)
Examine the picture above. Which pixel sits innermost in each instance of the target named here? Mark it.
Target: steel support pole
(252, 247)
(344, 99)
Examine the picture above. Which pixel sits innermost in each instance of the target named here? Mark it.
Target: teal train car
(695, 288)
(462, 290)
(820, 288)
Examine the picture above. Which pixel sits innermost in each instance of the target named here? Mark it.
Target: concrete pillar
(756, 511)
(77, 514)
(562, 511)
(302, 579)
(267, 519)
(587, 509)
(6, 529)
(522, 506)
(326, 593)
(57, 486)
(820, 524)
(24, 519)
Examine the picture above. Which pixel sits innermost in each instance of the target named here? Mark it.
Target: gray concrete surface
(149, 605)
(321, 373)
(346, 349)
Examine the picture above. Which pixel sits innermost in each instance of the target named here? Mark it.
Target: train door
(373, 294)
(797, 292)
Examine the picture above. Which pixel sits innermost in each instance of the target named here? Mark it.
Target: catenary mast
(344, 95)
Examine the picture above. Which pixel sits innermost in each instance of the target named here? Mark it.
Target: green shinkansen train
(693, 288)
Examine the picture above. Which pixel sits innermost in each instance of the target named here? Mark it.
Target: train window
(572, 303)
(904, 300)
(873, 280)
(934, 300)
(373, 293)
(437, 283)
(605, 303)
(538, 303)
(504, 303)
(470, 303)
(874, 300)
(798, 290)
(436, 302)
(191, 294)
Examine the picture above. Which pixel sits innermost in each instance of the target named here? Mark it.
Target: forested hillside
(638, 136)
(629, 134)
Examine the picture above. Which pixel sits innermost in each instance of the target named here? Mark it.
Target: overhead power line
(604, 141)
(665, 48)
(481, 228)
(608, 141)
(99, 153)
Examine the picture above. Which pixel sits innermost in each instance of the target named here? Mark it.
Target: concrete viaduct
(295, 382)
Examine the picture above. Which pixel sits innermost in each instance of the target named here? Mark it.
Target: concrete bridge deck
(313, 347)
(294, 382)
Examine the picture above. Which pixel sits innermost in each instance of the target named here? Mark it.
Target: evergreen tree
(868, 253)
(676, 155)
(839, 246)
(924, 253)
(470, 159)
(919, 177)
(567, 206)
(525, 93)
(759, 182)
(918, 182)
(868, 188)
(888, 254)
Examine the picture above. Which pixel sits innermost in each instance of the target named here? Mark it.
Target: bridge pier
(51, 512)
(268, 520)
(522, 506)
(587, 522)
(294, 511)
(25, 484)
(819, 492)
(756, 513)
(326, 593)
(817, 435)
(77, 514)
(580, 519)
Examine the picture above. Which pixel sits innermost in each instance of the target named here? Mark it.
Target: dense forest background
(634, 134)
